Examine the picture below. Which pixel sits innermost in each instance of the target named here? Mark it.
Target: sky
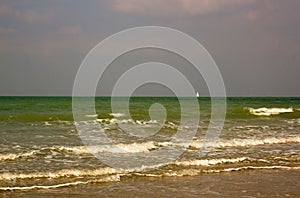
(255, 43)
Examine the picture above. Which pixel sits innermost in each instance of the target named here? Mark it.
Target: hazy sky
(255, 43)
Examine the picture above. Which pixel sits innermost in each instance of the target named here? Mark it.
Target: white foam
(208, 162)
(103, 120)
(62, 173)
(293, 121)
(105, 171)
(47, 124)
(269, 111)
(125, 148)
(171, 125)
(124, 121)
(91, 116)
(291, 158)
(12, 156)
(118, 148)
(117, 115)
(194, 172)
(137, 147)
(144, 122)
(145, 147)
(106, 179)
(247, 142)
(65, 122)
(73, 149)
(251, 167)
(251, 127)
(114, 121)
(255, 142)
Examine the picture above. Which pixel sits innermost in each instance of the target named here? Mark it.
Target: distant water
(40, 147)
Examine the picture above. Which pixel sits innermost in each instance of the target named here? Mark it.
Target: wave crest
(269, 111)
(106, 179)
(13, 156)
(248, 142)
(208, 162)
(61, 173)
(143, 147)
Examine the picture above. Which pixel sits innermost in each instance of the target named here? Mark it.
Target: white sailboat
(197, 94)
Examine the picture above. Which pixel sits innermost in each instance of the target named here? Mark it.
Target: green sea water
(41, 149)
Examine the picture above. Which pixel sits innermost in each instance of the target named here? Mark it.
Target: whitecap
(91, 116)
(208, 162)
(255, 142)
(117, 148)
(117, 115)
(194, 172)
(197, 144)
(62, 173)
(13, 156)
(269, 111)
(47, 124)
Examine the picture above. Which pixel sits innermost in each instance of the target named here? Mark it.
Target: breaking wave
(13, 156)
(251, 168)
(117, 115)
(249, 142)
(209, 162)
(108, 171)
(108, 174)
(91, 116)
(145, 147)
(117, 177)
(118, 148)
(62, 173)
(269, 111)
(106, 179)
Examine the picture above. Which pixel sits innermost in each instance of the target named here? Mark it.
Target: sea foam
(118, 148)
(269, 111)
(62, 173)
(117, 115)
(105, 179)
(248, 142)
(13, 156)
(209, 162)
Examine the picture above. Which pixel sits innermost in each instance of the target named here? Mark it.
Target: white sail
(197, 94)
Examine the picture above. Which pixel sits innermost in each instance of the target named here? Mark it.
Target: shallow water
(41, 151)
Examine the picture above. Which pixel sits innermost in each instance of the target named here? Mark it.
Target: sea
(257, 153)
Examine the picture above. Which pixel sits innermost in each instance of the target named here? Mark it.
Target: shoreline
(254, 183)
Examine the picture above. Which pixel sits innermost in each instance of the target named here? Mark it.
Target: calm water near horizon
(42, 154)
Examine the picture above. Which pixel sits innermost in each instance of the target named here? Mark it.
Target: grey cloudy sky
(255, 43)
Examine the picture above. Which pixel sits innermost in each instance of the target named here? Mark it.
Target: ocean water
(42, 153)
